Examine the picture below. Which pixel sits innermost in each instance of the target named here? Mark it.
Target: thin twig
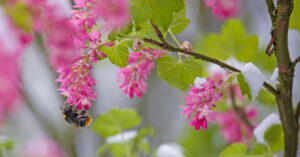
(270, 51)
(272, 13)
(158, 33)
(239, 111)
(271, 10)
(165, 45)
(296, 61)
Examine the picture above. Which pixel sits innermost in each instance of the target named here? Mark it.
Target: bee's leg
(82, 112)
(75, 110)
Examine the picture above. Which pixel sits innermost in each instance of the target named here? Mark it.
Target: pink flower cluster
(114, 12)
(224, 9)
(12, 42)
(42, 146)
(9, 82)
(51, 18)
(132, 78)
(77, 84)
(200, 101)
(233, 128)
(76, 81)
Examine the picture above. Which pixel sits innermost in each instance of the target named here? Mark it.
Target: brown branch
(239, 111)
(286, 77)
(165, 45)
(295, 62)
(297, 112)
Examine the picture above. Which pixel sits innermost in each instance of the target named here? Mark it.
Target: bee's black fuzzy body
(75, 119)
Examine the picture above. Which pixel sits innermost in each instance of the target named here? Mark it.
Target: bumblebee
(78, 120)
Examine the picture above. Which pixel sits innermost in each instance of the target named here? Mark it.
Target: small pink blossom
(224, 9)
(233, 128)
(217, 74)
(199, 101)
(114, 12)
(132, 78)
(42, 146)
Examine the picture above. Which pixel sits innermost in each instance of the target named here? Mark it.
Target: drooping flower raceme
(200, 101)
(132, 78)
(233, 128)
(76, 81)
(224, 9)
(77, 84)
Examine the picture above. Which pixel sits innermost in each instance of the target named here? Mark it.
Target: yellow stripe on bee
(88, 121)
(65, 116)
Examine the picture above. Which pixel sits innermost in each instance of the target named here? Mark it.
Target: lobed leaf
(118, 54)
(178, 73)
(275, 137)
(234, 150)
(232, 41)
(159, 11)
(115, 121)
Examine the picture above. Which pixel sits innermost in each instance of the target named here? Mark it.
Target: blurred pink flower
(114, 12)
(132, 78)
(12, 41)
(42, 146)
(224, 9)
(233, 128)
(199, 101)
(9, 82)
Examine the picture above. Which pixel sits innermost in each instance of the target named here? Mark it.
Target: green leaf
(208, 143)
(139, 142)
(102, 149)
(117, 149)
(261, 149)
(21, 16)
(178, 73)
(244, 86)
(295, 16)
(265, 62)
(6, 143)
(179, 22)
(266, 98)
(145, 147)
(275, 137)
(160, 11)
(118, 54)
(234, 150)
(233, 41)
(115, 121)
